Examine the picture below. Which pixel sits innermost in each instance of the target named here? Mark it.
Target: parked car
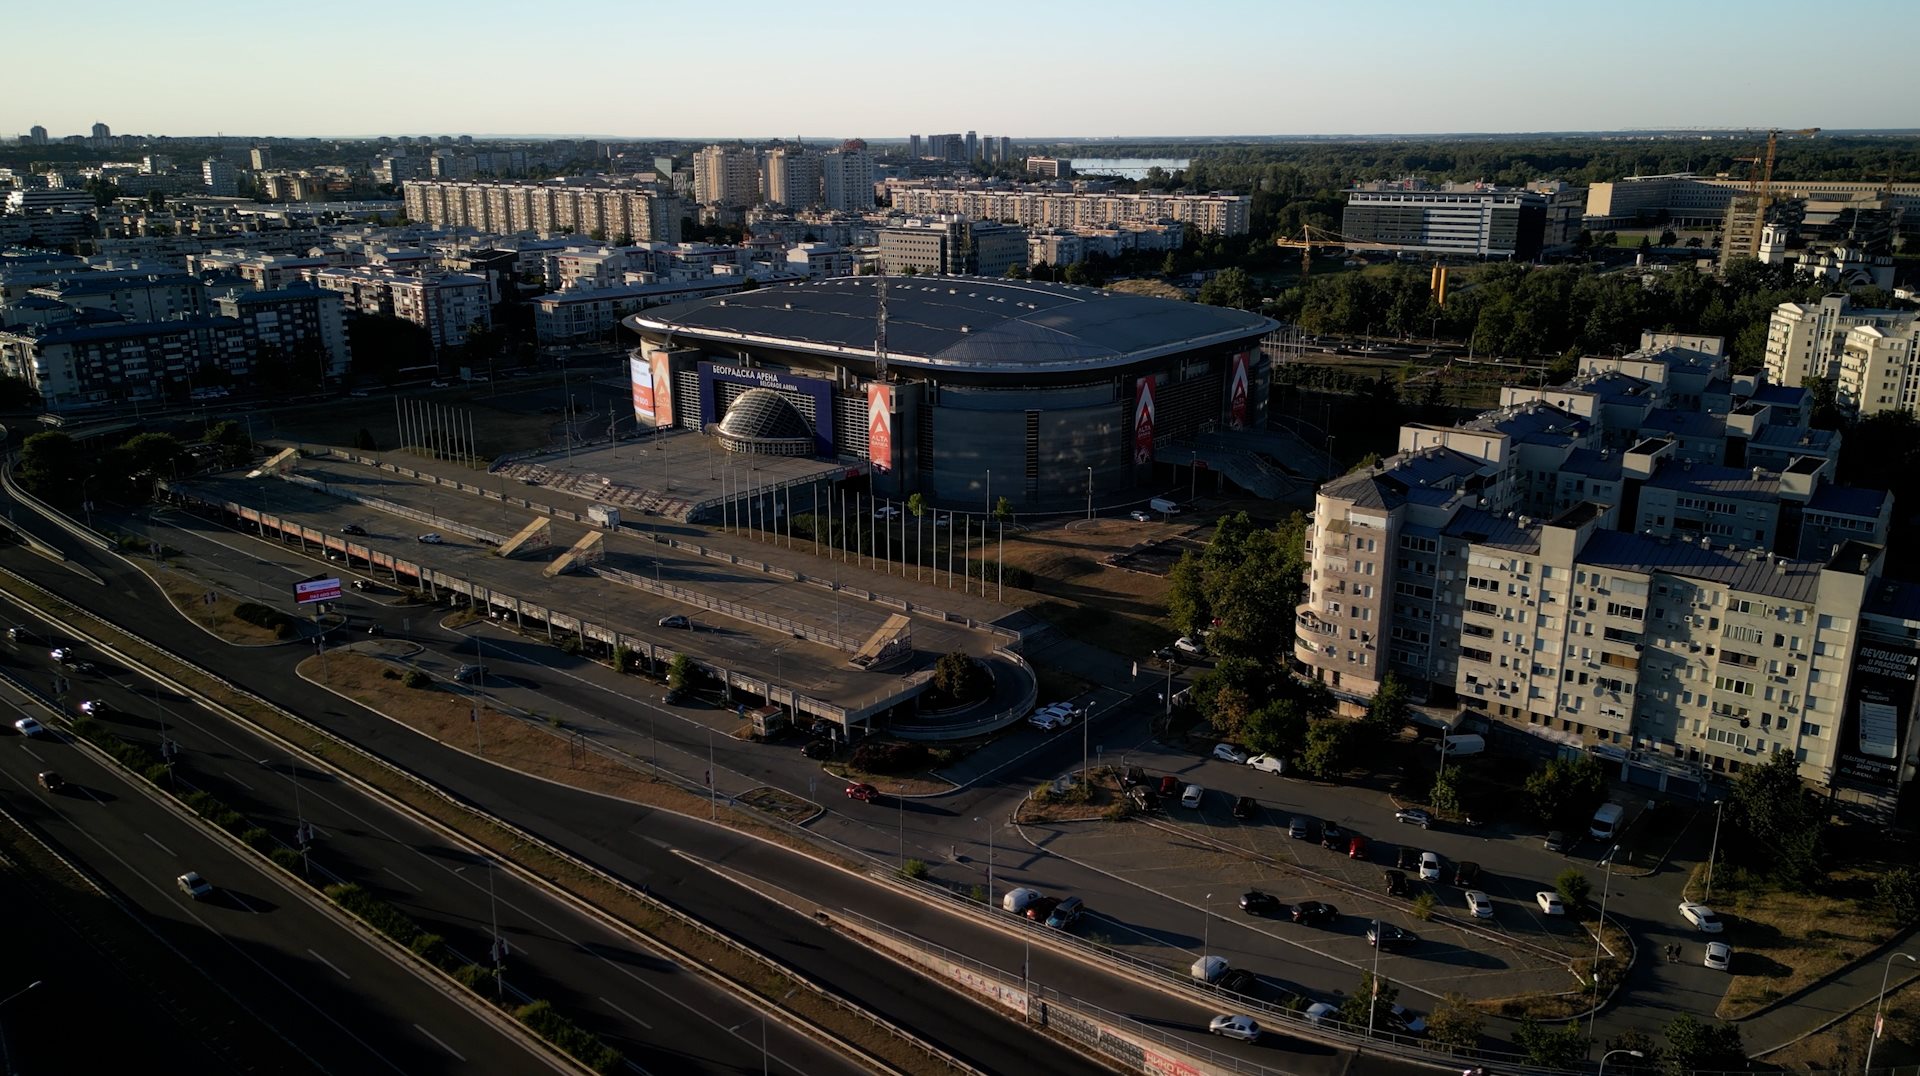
(1465, 872)
(1066, 913)
(1208, 969)
(429, 538)
(1240, 981)
(1415, 816)
(1245, 808)
(1190, 796)
(1408, 858)
(1314, 912)
(1244, 1028)
(1187, 644)
(1429, 867)
(1396, 884)
(1549, 902)
(1299, 827)
(354, 529)
(1017, 899)
(1557, 841)
(1322, 1013)
(1169, 785)
(1699, 915)
(886, 511)
(1139, 516)
(1268, 764)
(1479, 905)
(467, 674)
(1387, 936)
(1356, 847)
(861, 790)
(1407, 1020)
(1227, 752)
(51, 781)
(27, 726)
(677, 620)
(1332, 837)
(1143, 797)
(1134, 777)
(1255, 902)
(818, 749)
(1041, 908)
(193, 885)
(1719, 956)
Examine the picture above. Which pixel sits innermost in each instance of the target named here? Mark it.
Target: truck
(1606, 821)
(605, 515)
(1165, 506)
(769, 722)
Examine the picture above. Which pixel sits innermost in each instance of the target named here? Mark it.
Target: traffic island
(1068, 799)
(229, 619)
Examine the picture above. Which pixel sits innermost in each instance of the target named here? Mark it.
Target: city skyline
(1298, 70)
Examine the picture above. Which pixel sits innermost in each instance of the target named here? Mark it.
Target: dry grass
(772, 982)
(497, 431)
(1100, 799)
(1153, 289)
(189, 598)
(1785, 940)
(1843, 1047)
(918, 784)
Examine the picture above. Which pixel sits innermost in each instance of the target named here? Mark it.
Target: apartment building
(791, 176)
(1682, 618)
(590, 315)
(726, 176)
(821, 259)
(299, 322)
(1878, 368)
(952, 245)
(846, 179)
(1050, 167)
(132, 297)
(86, 363)
(220, 178)
(1809, 339)
(1067, 246)
(610, 209)
(446, 306)
(1222, 214)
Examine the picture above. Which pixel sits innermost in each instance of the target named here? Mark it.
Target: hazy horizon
(1115, 70)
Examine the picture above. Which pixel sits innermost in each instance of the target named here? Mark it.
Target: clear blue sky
(1027, 69)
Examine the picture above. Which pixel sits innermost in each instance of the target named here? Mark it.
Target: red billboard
(1143, 421)
(316, 590)
(880, 426)
(1237, 390)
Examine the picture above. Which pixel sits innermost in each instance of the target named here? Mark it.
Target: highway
(326, 991)
(633, 842)
(660, 1016)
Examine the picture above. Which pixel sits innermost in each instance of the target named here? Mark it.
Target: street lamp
(1610, 1053)
(1599, 931)
(1881, 1000)
(1373, 986)
(989, 862)
(1206, 926)
(766, 1063)
(38, 982)
(1714, 853)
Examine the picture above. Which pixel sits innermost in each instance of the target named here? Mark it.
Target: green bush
(287, 858)
(417, 679)
(569, 1036)
(978, 894)
(626, 660)
(1423, 907)
(156, 772)
(378, 914)
(389, 674)
(914, 868)
(282, 625)
(258, 838)
(429, 947)
(478, 979)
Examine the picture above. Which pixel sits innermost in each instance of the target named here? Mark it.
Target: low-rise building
(952, 245)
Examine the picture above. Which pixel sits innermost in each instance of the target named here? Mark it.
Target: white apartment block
(1226, 214)
(726, 175)
(821, 259)
(846, 180)
(613, 210)
(1807, 339)
(791, 177)
(1878, 371)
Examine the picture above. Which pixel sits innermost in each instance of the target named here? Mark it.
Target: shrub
(429, 947)
(913, 868)
(415, 678)
(1573, 885)
(389, 674)
(478, 979)
(286, 858)
(377, 913)
(258, 838)
(157, 772)
(1898, 892)
(978, 894)
(1423, 907)
(681, 672)
(282, 625)
(583, 1045)
(1118, 811)
(959, 679)
(891, 758)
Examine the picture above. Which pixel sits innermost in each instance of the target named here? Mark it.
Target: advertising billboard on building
(1143, 421)
(662, 388)
(316, 590)
(1879, 709)
(642, 387)
(1239, 386)
(880, 426)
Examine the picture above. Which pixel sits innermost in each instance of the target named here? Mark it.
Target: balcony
(1305, 619)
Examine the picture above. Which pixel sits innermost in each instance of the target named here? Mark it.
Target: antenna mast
(880, 332)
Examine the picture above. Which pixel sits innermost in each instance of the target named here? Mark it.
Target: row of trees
(63, 471)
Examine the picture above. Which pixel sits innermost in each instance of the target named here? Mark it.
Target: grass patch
(189, 598)
(1785, 939)
(1095, 799)
(841, 1019)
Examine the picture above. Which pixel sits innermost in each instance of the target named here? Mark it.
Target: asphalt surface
(633, 842)
(328, 992)
(594, 974)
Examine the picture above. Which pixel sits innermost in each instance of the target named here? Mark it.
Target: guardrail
(998, 721)
(745, 613)
(58, 518)
(384, 505)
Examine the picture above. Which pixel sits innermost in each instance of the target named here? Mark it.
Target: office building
(222, 180)
(1699, 203)
(726, 176)
(973, 147)
(1224, 214)
(913, 146)
(954, 246)
(1050, 167)
(847, 180)
(37, 135)
(1470, 220)
(791, 177)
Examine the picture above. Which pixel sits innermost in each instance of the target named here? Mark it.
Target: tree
(231, 440)
(1325, 753)
(1187, 602)
(1775, 820)
(1573, 886)
(1231, 287)
(1566, 790)
(960, 678)
(1446, 798)
(681, 672)
(1455, 1023)
(1693, 1045)
(1823, 403)
(52, 466)
(1554, 1047)
(18, 394)
(1389, 708)
(1635, 1039)
(1279, 728)
(1371, 997)
(1003, 509)
(1668, 238)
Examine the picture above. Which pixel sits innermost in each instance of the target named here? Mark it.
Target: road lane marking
(160, 846)
(338, 972)
(626, 1014)
(239, 782)
(29, 750)
(442, 1045)
(244, 902)
(397, 874)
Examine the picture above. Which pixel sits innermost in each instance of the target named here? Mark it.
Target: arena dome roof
(958, 323)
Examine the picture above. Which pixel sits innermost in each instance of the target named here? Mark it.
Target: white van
(1016, 900)
(1606, 821)
(1165, 506)
(1208, 969)
(1462, 745)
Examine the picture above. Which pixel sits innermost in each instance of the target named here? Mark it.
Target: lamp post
(1610, 1053)
(1206, 926)
(6, 1055)
(989, 860)
(1714, 852)
(1878, 1002)
(1089, 493)
(1373, 985)
(1599, 930)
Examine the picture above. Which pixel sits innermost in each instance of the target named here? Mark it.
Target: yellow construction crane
(1760, 182)
(1311, 237)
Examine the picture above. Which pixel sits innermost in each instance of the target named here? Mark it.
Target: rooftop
(1485, 528)
(1592, 463)
(1436, 473)
(1819, 441)
(1707, 479)
(1740, 570)
(1849, 501)
(961, 322)
(1684, 424)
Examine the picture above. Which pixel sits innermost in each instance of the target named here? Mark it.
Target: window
(1471, 654)
(1485, 608)
(1728, 683)
(1630, 612)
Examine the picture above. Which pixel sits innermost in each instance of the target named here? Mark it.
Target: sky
(1032, 69)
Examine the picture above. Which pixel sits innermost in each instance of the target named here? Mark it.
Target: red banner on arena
(1143, 421)
(1238, 389)
(880, 426)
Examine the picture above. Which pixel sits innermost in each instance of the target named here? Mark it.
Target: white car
(1429, 867)
(1719, 955)
(193, 885)
(1190, 797)
(886, 512)
(1701, 917)
(1139, 516)
(93, 707)
(1058, 715)
(1320, 1012)
(1227, 752)
(1479, 905)
(430, 538)
(1268, 764)
(1243, 1028)
(1549, 902)
(1187, 644)
(29, 727)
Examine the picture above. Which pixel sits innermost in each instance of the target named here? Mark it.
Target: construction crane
(1760, 183)
(1311, 237)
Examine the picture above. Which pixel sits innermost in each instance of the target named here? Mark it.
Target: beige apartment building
(1877, 369)
(1223, 214)
(1811, 340)
(614, 209)
(726, 175)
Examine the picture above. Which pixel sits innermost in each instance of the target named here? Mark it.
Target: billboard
(1880, 708)
(1143, 420)
(1238, 388)
(817, 389)
(642, 387)
(662, 388)
(880, 426)
(316, 590)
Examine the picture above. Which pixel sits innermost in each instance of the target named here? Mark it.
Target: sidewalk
(1797, 1016)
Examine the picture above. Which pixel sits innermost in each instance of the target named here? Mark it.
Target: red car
(1169, 786)
(860, 790)
(1357, 848)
